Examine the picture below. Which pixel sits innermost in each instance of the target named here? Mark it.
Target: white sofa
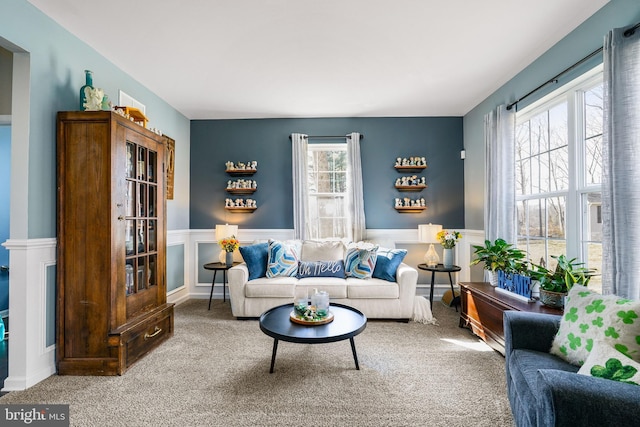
(376, 298)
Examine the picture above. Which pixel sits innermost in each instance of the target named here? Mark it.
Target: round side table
(441, 269)
(219, 266)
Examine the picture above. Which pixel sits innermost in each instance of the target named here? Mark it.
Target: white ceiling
(214, 59)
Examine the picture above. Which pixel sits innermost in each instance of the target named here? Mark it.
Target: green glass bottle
(88, 75)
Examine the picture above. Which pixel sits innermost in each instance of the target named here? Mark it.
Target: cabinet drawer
(147, 336)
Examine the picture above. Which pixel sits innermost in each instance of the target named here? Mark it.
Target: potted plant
(556, 283)
(500, 255)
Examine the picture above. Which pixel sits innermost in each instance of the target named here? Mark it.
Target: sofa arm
(407, 279)
(531, 331)
(570, 399)
(237, 277)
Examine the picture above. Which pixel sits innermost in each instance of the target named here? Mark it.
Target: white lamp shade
(226, 230)
(427, 232)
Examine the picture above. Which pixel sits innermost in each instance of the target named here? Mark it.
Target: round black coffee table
(347, 323)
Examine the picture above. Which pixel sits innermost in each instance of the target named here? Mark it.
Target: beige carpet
(215, 372)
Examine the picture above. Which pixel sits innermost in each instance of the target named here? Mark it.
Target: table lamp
(427, 233)
(222, 231)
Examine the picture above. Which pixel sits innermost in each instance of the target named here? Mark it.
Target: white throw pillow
(605, 361)
(589, 317)
(322, 250)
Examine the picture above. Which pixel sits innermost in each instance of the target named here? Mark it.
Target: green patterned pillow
(590, 317)
(605, 361)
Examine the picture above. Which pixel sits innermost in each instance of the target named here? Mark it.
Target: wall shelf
(241, 190)
(410, 187)
(241, 172)
(410, 209)
(410, 168)
(239, 209)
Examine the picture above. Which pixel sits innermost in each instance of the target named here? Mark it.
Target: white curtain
(499, 203)
(621, 170)
(299, 174)
(354, 188)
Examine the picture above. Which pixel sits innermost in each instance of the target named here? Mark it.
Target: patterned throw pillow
(387, 263)
(605, 361)
(589, 317)
(359, 262)
(321, 269)
(283, 258)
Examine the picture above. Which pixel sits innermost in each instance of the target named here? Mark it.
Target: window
(327, 180)
(559, 175)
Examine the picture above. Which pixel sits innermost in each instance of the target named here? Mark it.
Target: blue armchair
(544, 390)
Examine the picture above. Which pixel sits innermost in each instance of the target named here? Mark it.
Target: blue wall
(439, 139)
(585, 39)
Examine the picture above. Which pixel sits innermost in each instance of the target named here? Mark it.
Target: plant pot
(491, 277)
(552, 299)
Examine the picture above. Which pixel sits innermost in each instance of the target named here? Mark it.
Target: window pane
(594, 261)
(558, 135)
(556, 211)
(559, 169)
(539, 133)
(521, 208)
(593, 111)
(535, 218)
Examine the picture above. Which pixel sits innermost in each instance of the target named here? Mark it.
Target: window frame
(327, 147)
(576, 216)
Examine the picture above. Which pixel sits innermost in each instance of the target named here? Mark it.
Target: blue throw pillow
(321, 269)
(256, 258)
(387, 263)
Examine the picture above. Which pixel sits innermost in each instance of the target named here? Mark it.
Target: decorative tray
(299, 320)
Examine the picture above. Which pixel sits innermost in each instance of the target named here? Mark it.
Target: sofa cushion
(277, 287)
(604, 361)
(322, 250)
(387, 263)
(321, 269)
(590, 317)
(360, 261)
(283, 258)
(372, 288)
(335, 287)
(255, 256)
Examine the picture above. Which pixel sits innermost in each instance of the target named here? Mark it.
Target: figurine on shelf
(398, 203)
(398, 182)
(254, 165)
(423, 161)
(398, 161)
(423, 181)
(422, 202)
(254, 184)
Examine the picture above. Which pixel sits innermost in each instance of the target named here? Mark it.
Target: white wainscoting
(30, 359)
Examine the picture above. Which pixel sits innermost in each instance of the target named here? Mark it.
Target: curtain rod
(554, 79)
(631, 31)
(328, 136)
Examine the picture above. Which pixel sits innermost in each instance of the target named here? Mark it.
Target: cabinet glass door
(141, 224)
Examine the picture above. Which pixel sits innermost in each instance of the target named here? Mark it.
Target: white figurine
(423, 181)
(423, 161)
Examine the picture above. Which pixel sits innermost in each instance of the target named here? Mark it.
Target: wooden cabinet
(111, 230)
(483, 307)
